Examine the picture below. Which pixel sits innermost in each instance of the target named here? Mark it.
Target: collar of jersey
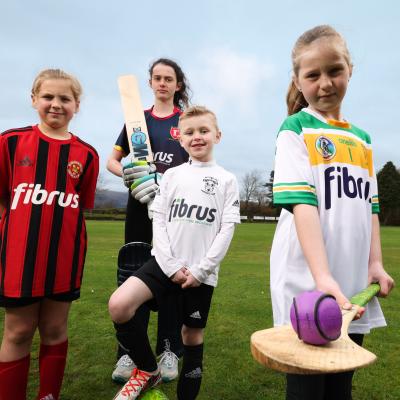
(50, 139)
(175, 111)
(328, 121)
(201, 164)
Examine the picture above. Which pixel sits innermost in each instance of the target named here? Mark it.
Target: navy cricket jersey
(164, 140)
(46, 183)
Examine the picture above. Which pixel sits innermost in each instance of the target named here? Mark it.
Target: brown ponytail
(294, 99)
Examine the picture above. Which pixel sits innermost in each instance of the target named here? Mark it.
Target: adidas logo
(122, 346)
(196, 373)
(25, 162)
(47, 397)
(236, 204)
(167, 345)
(196, 315)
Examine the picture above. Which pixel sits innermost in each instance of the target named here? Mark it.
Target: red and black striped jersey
(45, 183)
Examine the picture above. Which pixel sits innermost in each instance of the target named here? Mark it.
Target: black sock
(132, 336)
(191, 373)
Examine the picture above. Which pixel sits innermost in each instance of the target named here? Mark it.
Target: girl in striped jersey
(48, 176)
(327, 237)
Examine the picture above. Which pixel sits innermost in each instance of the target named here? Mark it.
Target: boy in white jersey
(194, 215)
(327, 237)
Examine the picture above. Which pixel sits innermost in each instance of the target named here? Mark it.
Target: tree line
(256, 194)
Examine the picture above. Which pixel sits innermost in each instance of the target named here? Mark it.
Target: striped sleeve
(375, 197)
(4, 171)
(293, 178)
(89, 182)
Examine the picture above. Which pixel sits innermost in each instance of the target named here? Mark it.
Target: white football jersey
(195, 200)
(327, 164)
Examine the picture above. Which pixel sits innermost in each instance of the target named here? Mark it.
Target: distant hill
(110, 199)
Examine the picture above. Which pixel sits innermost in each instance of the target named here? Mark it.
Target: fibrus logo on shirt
(347, 185)
(31, 193)
(164, 158)
(180, 209)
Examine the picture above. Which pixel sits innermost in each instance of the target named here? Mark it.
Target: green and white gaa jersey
(327, 164)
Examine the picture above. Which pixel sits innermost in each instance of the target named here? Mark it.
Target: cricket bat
(279, 348)
(135, 122)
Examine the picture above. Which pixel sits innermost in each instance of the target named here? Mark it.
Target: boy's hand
(179, 277)
(191, 281)
(376, 273)
(135, 170)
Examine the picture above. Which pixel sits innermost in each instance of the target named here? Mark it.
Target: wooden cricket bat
(280, 349)
(135, 122)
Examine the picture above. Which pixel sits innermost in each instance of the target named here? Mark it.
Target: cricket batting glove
(135, 170)
(145, 189)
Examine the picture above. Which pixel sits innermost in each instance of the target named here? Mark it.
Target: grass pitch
(241, 305)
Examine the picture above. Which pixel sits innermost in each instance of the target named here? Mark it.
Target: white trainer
(168, 364)
(123, 369)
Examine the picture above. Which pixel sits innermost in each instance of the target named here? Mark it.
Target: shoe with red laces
(137, 383)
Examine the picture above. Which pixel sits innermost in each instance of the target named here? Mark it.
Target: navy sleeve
(122, 142)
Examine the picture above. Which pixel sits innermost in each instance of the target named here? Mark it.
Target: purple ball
(316, 317)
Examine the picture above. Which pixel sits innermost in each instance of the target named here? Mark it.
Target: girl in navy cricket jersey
(327, 237)
(171, 96)
(48, 176)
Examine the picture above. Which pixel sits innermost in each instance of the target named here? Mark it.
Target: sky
(235, 54)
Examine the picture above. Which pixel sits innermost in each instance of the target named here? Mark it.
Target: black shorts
(9, 302)
(196, 302)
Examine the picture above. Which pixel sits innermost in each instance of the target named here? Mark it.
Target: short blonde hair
(197, 111)
(57, 74)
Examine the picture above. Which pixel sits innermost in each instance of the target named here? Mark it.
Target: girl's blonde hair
(57, 74)
(294, 99)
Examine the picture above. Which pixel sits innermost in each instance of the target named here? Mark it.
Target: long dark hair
(181, 97)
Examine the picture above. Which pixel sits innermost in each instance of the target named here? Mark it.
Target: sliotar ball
(153, 394)
(316, 317)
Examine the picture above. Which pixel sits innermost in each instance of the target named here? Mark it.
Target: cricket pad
(131, 257)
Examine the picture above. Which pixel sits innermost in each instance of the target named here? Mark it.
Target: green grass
(241, 305)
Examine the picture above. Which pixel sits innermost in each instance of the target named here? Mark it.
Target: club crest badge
(174, 132)
(325, 147)
(210, 184)
(74, 169)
